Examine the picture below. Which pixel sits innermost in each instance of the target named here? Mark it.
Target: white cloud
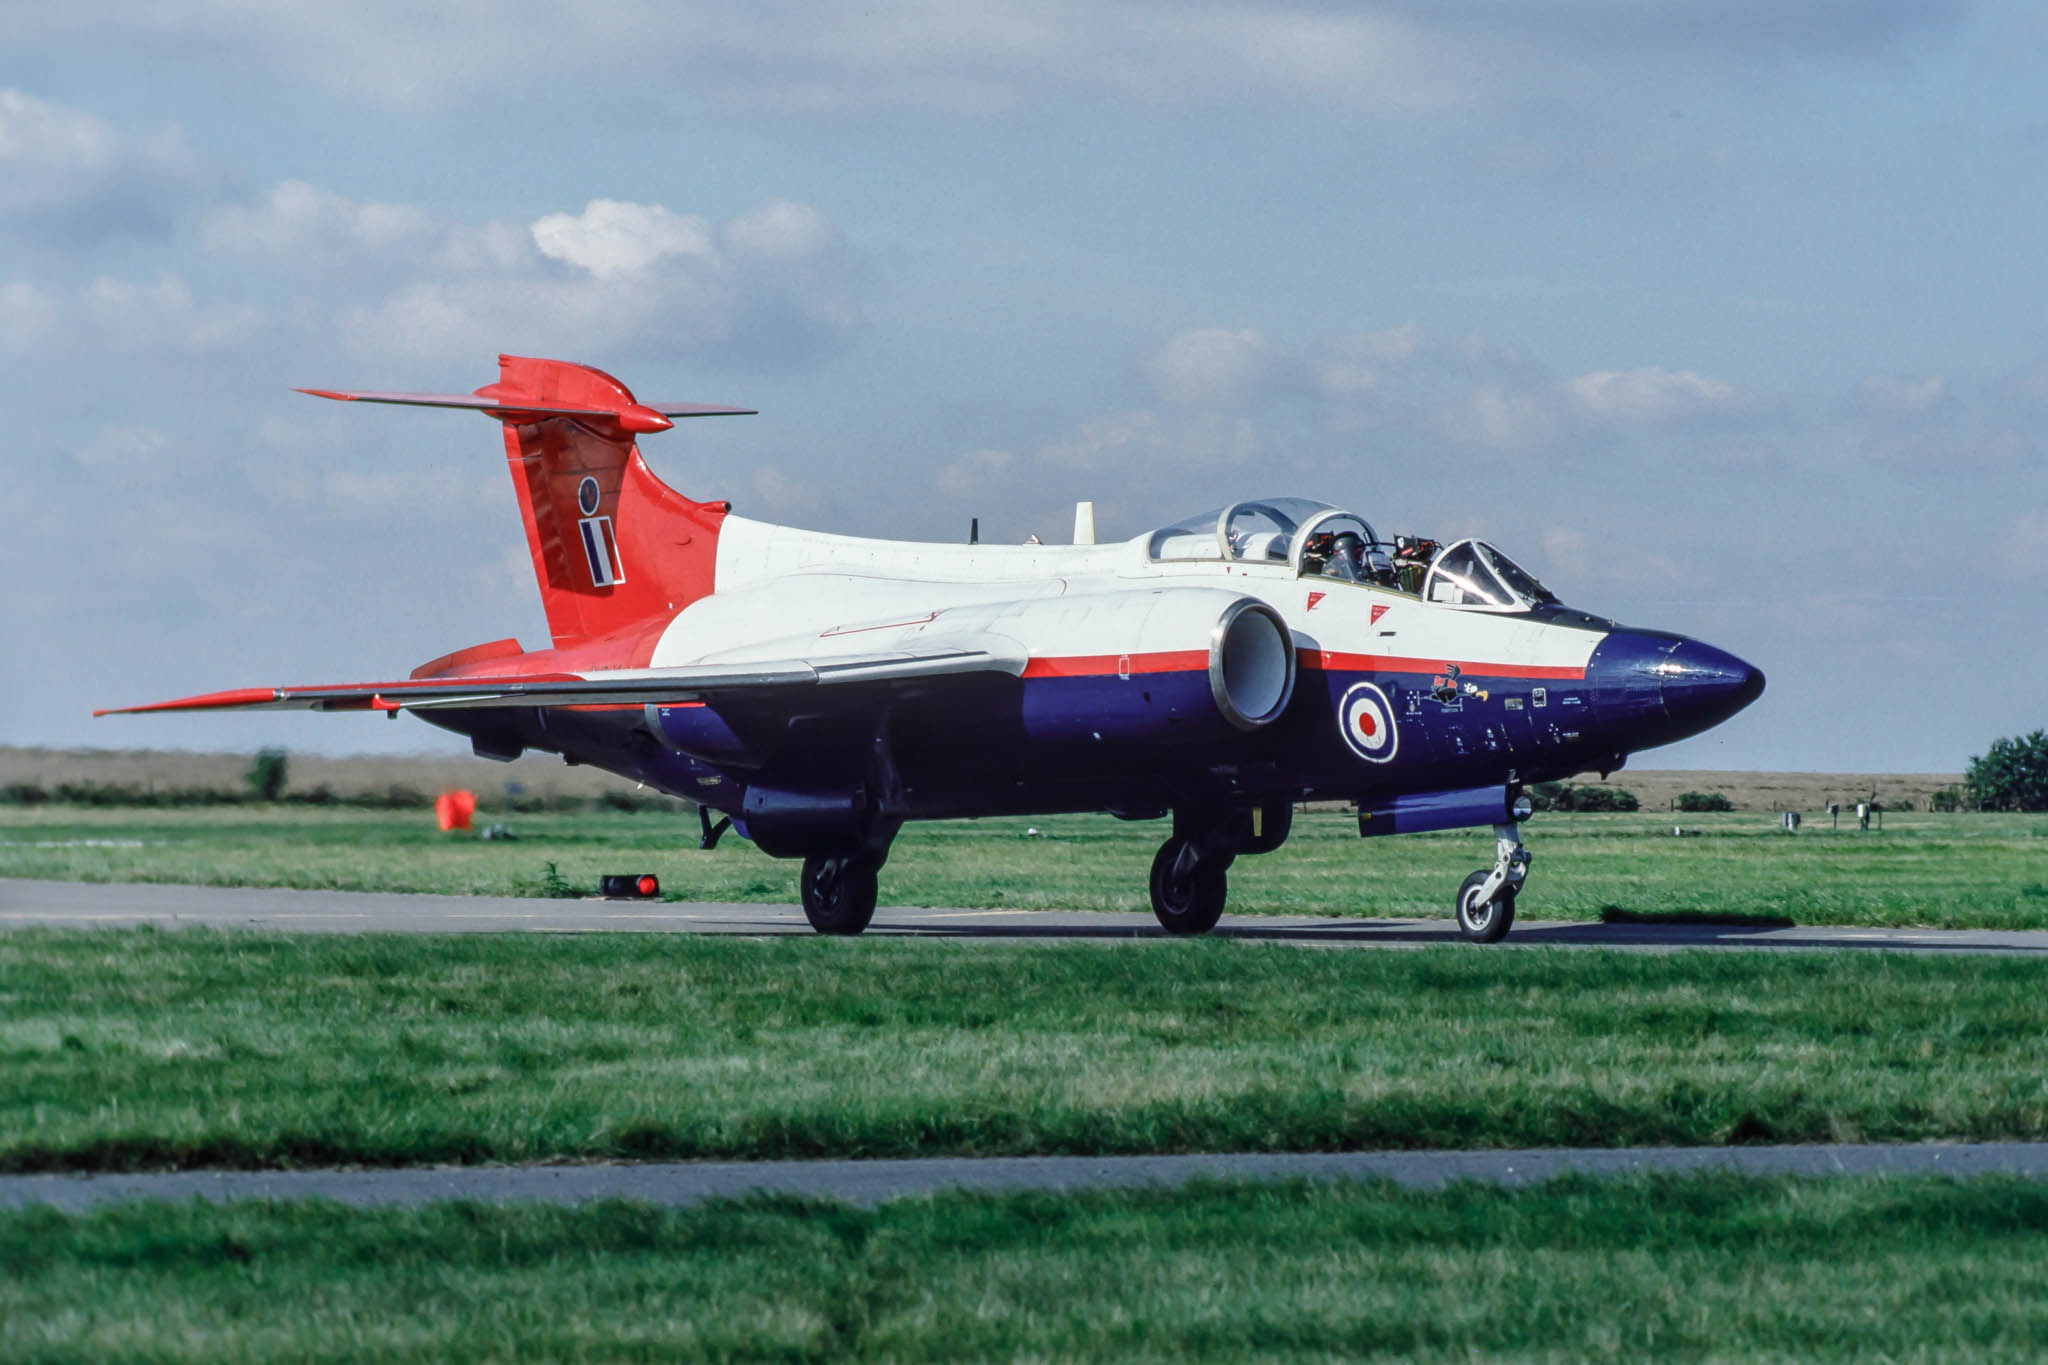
(1217, 367)
(995, 56)
(1140, 442)
(29, 314)
(974, 473)
(2025, 545)
(119, 315)
(781, 230)
(1357, 365)
(1903, 395)
(295, 219)
(1113, 440)
(162, 312)
(782, 497)
(610, 238)
(1652, 396)
(771, 287)
(125, 448)
(1502, 420)
(69, 177)
(2031, 382)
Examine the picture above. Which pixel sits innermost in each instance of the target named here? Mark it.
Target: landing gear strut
(1486, 902)
(1190, 871)
(839, 891)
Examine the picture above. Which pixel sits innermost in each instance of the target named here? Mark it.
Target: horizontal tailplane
(617, 552)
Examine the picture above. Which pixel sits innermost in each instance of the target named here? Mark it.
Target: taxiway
(83, 905)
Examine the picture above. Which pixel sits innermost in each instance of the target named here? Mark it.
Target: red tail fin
(613, 546)
(615, 549)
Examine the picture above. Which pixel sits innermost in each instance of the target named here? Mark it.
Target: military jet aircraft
(817, 691)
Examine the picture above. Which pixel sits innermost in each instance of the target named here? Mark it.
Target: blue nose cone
(1652, 688)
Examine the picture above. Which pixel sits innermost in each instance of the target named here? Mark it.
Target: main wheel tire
(1484, 921)
(1186, 903)
(839, 893)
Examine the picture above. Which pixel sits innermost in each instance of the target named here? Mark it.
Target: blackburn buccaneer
(817, 691)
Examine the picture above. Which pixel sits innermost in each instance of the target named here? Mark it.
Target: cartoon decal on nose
(1367, 722)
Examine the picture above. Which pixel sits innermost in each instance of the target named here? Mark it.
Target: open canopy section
(1319, 540)
(1264, 530)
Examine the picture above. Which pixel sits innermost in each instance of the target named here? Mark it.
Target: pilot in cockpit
(1344, 555)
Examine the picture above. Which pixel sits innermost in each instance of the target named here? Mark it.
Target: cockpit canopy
(1269, 530)
(1316, 539)
(1473, 574)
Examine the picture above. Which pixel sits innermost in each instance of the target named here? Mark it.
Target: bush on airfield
(1563, 796)
(2011, 775)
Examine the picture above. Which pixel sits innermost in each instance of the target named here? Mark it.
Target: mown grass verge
(1665, 1268)
(133, 1049)
(1953, 871)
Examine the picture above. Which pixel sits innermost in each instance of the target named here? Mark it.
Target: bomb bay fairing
(817, 691)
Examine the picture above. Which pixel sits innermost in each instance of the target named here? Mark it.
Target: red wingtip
(328, 393)
(244, 696)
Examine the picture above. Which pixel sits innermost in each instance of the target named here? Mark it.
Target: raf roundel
(1367, 721)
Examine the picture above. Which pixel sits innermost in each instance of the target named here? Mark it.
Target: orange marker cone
(453, 809)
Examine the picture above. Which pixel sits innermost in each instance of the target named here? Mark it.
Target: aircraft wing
(613, 687)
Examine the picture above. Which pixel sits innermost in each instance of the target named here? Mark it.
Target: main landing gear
(839, 891)
(1190, 871)
(1189, 886)
(1486, 902)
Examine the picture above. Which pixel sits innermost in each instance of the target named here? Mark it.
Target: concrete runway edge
(866, 1183)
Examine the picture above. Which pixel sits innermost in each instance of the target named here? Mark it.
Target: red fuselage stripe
(1113, 665)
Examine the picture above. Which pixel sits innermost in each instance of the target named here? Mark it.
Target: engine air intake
(1251, 664)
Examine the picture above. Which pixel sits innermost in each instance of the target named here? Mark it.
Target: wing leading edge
(619, 687)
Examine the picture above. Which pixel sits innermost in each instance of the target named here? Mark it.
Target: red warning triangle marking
(1314, 598)
(1379, 609)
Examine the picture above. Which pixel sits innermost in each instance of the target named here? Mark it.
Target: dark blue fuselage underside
(1152, 742)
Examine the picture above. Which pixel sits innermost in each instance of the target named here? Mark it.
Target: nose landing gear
(1486, 901)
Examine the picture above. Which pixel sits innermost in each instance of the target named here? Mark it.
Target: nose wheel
(1486, 901)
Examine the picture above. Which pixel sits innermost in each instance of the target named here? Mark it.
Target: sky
(1722, 316)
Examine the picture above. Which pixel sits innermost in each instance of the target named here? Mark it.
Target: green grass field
(142, 1049)
(127, 1049)
(1978, 871)
(1707, 1267)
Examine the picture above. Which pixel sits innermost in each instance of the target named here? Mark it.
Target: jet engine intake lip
(1251, 664)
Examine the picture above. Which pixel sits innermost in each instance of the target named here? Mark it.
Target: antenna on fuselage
(1084, 523)
(974, 530)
